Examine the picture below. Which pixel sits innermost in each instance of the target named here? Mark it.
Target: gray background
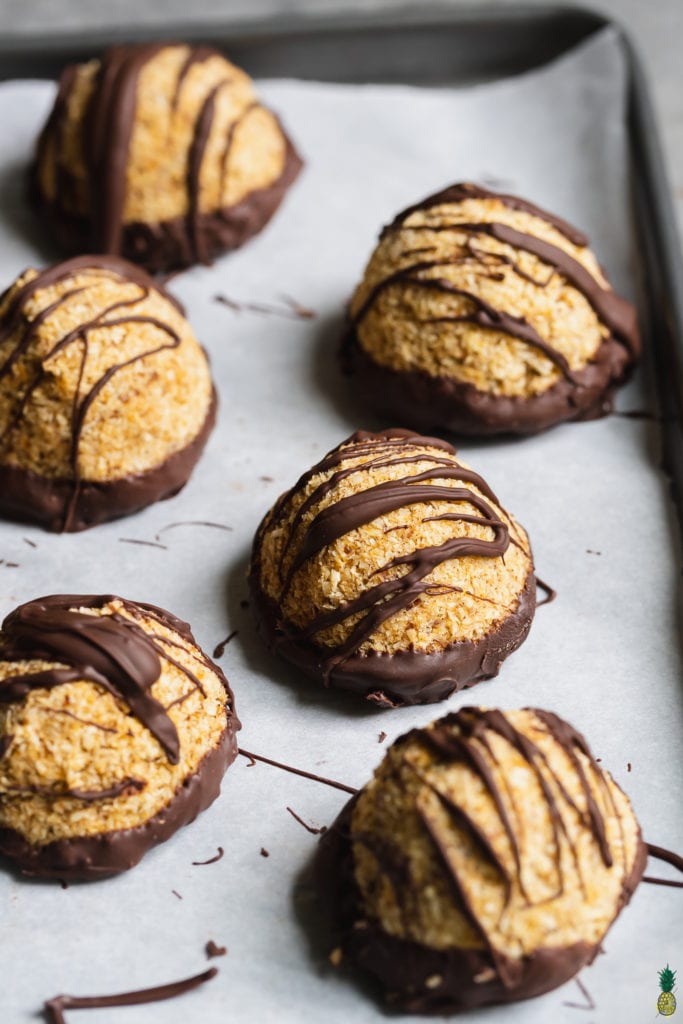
(655, 25)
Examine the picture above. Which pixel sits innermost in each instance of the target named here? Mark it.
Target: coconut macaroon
(483, 314)
(106, 398)
(390, 569)
(483, 863)
(160, 153)
(115, 730)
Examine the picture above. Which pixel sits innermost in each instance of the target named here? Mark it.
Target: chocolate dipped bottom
(115, 730)
(481, 313)
(391, 570)
(106, 398)
(484, 863)
(160, 153)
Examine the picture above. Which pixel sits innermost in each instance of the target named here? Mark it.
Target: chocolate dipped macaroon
(161, 153)
(106, 398)
(115, 730)
(482, 314)
(390, 569)
(484, 862)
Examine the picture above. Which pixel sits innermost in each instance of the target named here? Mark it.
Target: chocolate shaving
(669, 857)
(144, 543)
(382, 736)
(195, 522)
(290, 308)
(550, 593)
(219, 649)
(31, 543)
(264, 852)
(589, 1004)
(212, 860)
(315, 831)
(55, 1007)
(296, 771)
(176, 894)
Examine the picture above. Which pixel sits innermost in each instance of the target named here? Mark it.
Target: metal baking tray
(430, 46)
(452, 48)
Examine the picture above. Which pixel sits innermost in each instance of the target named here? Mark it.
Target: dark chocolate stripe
(482, 315)
(462, 736)
(113, 651)
(107, 131)
(14, 322)
(466, 190)
(380, 602)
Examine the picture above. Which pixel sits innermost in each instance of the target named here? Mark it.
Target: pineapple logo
(666, 1004)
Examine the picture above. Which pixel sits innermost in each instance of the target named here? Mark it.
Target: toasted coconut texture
(106, 398)
(115, 730)
(391, 570)
(484, 862)
(483, 314)
(161, 153)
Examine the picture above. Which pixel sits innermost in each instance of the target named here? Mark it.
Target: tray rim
(653, 210)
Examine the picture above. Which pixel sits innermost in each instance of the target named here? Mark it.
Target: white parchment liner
(605, 654)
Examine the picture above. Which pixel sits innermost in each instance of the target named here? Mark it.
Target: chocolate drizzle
(418, 978)
(409, 573)
(669, 857)
(106, 136)
(14, 322)
(454, 404)
(112, 650)
(56, 1006)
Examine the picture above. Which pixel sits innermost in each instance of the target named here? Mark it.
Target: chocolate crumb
(590, 552)
(212, 860)
(64, 885)
(314, 830)
(382, 736)
(628, 766)
(219, 649)
(212, 949)
(176, 894)
(266, 479)
(31, 543)
(264, 852)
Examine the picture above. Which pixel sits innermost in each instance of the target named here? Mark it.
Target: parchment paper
(605, 654)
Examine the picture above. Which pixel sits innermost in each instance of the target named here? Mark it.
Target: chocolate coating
(414, 977)
(116, 653)
(409, 675)
(74, 504)
(430, 401)
(107, 130)
(28, 497)
(89, 858)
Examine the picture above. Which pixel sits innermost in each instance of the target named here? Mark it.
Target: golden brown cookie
(484, 862)
(390, 569)
(106, 398)
(483, 314)
(115, 730)
(161, 153)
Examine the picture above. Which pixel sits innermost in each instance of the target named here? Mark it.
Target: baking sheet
(605, 654)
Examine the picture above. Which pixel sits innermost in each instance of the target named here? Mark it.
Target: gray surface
(656, 27)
